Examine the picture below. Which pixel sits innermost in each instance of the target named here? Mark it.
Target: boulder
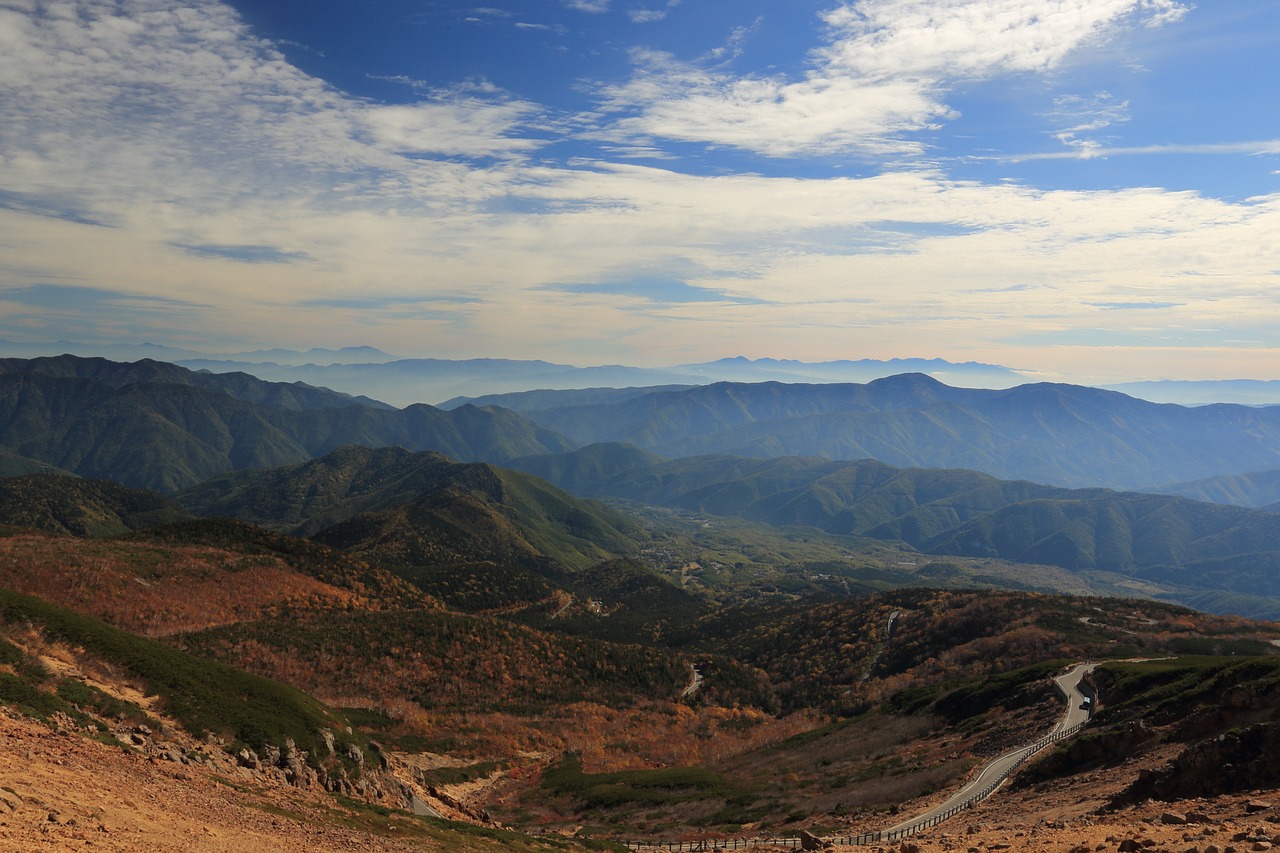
(809, 841)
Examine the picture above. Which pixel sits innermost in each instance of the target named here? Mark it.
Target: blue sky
(1083, 189)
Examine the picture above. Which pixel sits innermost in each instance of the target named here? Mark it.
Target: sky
(1085, 190)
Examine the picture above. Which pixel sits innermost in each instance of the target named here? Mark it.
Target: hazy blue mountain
(408, 381)
(113, 351)
(1260, 489)
(165, 435)
(315, 355)
(1191, 547)
(137, 352)
(969, 374)
(537, 401)
(1061, 434)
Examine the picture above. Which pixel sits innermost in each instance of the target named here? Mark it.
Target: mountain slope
(1191, 548)
(194, 575)
(1060, 434)
(1260, 489)
(475, 535)
(82, 507)
(277, 395)
(168, 436)
(205, 696)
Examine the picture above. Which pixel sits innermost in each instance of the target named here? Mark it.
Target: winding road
(1079, 698)
(1079, 701)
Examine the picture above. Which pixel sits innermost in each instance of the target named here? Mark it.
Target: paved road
(1069, 685)
(695, 680)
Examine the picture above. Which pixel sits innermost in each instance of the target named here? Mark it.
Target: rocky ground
(1072, 817)
(60, 790)
(1220, 825)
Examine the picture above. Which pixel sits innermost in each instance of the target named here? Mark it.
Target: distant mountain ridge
(406, 381)
(296, 396)
(1257, 489)
(1066, 435)
(162, 427)
(159, 352)
(1213, 554)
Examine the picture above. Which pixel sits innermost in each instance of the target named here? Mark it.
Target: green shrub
(204, 696)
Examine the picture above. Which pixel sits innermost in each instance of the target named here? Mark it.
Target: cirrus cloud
(882, 76)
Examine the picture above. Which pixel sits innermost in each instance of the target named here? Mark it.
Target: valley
(324, 621)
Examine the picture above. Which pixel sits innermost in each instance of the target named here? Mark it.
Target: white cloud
(181, 129)
(766, 114)
(137, 95)
(645, 16)
(594, 7)
(1084, 117)
(881, 77)
(464, 127)
(1248, 148)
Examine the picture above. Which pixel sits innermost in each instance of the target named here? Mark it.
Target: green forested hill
(475, 535)
(581, 471)
(277, 395)
(82, 507)
(1195, 546)
(1258, 489)
(1061, 434)
(168, 436)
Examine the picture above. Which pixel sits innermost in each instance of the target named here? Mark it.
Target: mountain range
(1066, 435)
(1257, 489)
(1213, 556)
(163, 427)
(1021, 474)
(491, 608)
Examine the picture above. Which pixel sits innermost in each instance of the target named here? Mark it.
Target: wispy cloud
(1084, 117)
(881, 77)
(452, 125)
(654, 289)
(248, 254)
(1134, 306)
(645, 15)
(362, 302)
(458, 219)
(62, 296)
(56, 207)
(1252, 148)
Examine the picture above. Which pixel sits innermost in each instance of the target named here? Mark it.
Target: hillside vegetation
(1061, 434)
(62, 504)
(163, 428)
(206, 697)
(476, 536)
(1218, 557)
